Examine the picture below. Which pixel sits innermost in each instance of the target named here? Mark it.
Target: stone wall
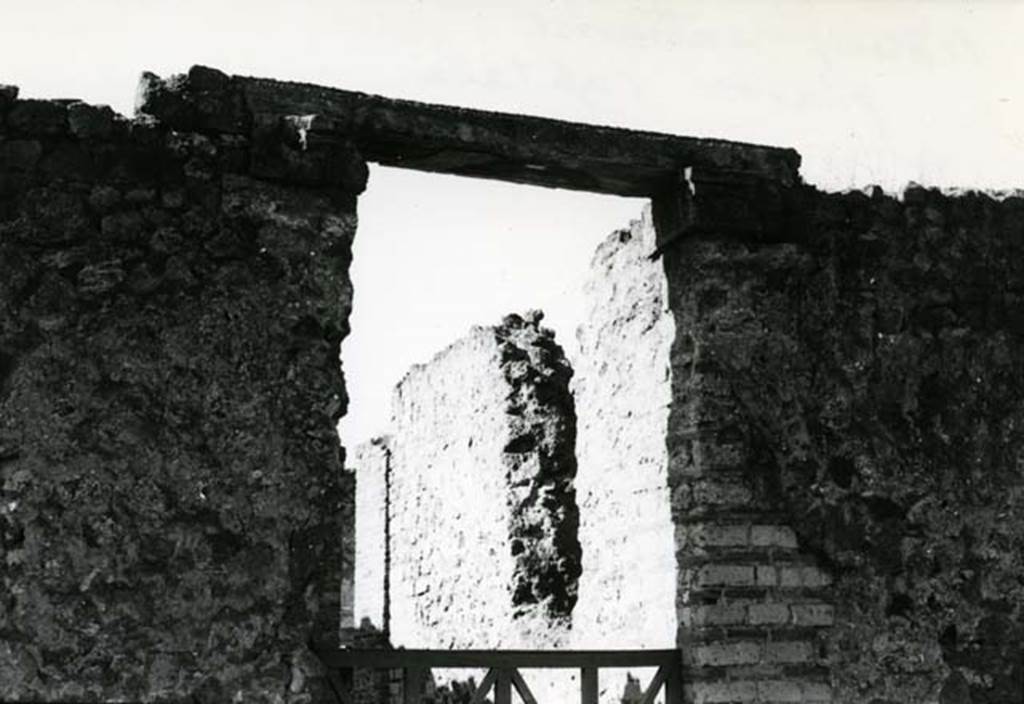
(482, 513)
(371, 464)
(482, 519)
(623, 394)
(872, 370)
(754, 603)
(171, 309)
(841, 374)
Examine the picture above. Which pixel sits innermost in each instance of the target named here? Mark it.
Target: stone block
(720, 493)
(727, 654)
(100, 278)
(714, 575)
(726, 692)
(816, 692)
(813, 614)
(91, 121)
(814, 577)
(767, 576)
(773, 536)
(789, 652)
(725, 535)
(780, 691)
(713, 615)
(20, 154)
(38, 118)
(790, 577)
(8, 94)
(768, 614)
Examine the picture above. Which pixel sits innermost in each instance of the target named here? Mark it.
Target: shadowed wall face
(171, 309)
(862, 382)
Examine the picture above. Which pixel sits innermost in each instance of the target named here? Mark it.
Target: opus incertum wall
(842, 440)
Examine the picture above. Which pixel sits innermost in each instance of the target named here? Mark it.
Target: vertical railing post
(342, 680)
(674, 682)
(412, 685)
(588, 685)
(503, 687)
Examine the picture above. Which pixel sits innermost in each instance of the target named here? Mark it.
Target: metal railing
(503, 674)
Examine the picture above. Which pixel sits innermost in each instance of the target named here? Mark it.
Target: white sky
(868, 91)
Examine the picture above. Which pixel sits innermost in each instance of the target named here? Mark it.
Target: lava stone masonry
(856, 392)
(171, 490)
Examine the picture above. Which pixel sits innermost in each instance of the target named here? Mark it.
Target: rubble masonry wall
(482, 514)
(370, 462)
(171, 309)
(861, 383)
(623, 393)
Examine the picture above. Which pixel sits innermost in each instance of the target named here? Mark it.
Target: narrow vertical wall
(171, 309)
(483, 517)
(623, 391)
(370, 463)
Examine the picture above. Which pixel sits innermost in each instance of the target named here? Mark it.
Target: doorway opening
(435, 256)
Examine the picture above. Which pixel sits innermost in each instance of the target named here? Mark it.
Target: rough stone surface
(461, 141)
(371, 463)
(482, 515)
(623, 393)
(842, 448)
(483, 518)
(696, 185)
(171, 494)
(866, 378)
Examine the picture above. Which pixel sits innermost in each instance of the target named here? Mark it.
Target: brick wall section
(370, 463)
(846, 477)
(171, 308)
(873, 378)
(755, 605)
(623, 393)
(678, 548)
(483, 517)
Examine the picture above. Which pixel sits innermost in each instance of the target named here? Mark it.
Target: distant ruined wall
(483, 517)
(171, 309)
(860, 383)
(370, 462)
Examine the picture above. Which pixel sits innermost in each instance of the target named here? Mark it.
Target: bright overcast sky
(868, 92)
